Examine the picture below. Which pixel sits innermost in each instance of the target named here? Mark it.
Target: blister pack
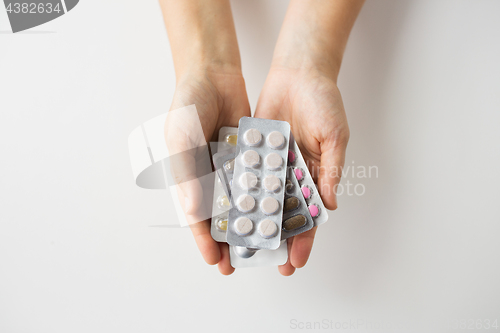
(257, 190)
(296, 216)
(228, 137)
(221, 202)
(260, 258)
(226, 146)
(309, 190)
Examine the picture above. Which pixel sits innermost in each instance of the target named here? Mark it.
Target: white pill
(273, 161)
(269, 205)
(248, 181)
(243, 226)
(250, 158)
(272, 183)
(252, 137)
(275, 140)
(245, 203)
(267, 228)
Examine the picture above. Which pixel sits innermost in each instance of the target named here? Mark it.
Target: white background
(421, 87)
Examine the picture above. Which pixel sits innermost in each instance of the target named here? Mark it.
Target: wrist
(314, 35)
(202, 57)
(325, 65)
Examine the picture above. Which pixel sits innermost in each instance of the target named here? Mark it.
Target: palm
(312, 104)
(220, 99)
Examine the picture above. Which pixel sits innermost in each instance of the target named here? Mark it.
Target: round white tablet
(267, 228)
(250, 158)
(273, 161)
(252, 137)
(272, 183)
(245, 203)
(248, 181)
(275, 140)
(269, 205)
(243, 226)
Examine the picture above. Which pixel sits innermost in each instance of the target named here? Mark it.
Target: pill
(243, 226)
(291, 156)
(314, 210)
(272, 183)
(221, 224)
(244, 252)
(267, 228)
(289, 187)
(275, 140)
(248, 180)
(245, 203)
(269, 205)
(223, 201)
(232, 139)
(252, 137)
(291, 204)
(250, 158)
(294, 222)
(306, 191)
(229, 166)
(273, 161)
(299, 173)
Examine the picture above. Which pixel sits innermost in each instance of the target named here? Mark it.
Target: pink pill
(299, 173)
(314, 210)
(291, 156)
(306, 191)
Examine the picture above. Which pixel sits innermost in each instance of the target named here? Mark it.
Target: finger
(287, 269)
(225, 262)
(209, 248)
(330, 172)
(301, 248)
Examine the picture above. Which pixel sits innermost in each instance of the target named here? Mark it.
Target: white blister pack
(255, 217)
(309, 190)
(224, 168)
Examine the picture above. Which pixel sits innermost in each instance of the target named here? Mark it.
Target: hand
(310, 101)
(220, 100)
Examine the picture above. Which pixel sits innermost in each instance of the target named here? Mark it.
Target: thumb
(330, 173)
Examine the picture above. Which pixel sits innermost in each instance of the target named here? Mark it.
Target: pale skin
(301, 88)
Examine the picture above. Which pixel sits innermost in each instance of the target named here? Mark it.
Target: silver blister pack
(296, 216)
(227, 137)
(257, 189)
(260, 258)
(221, 202)
(309, 190)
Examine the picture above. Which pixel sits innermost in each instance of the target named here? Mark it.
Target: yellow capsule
(222, 224)
(232, 139)
(223, 201)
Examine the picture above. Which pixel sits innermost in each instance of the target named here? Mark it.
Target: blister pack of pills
(228, 137)
(226, 148)
(221, 202)
(224, 166)
(257, 189)
(296, 216)
(308, 188)
(260, 258)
